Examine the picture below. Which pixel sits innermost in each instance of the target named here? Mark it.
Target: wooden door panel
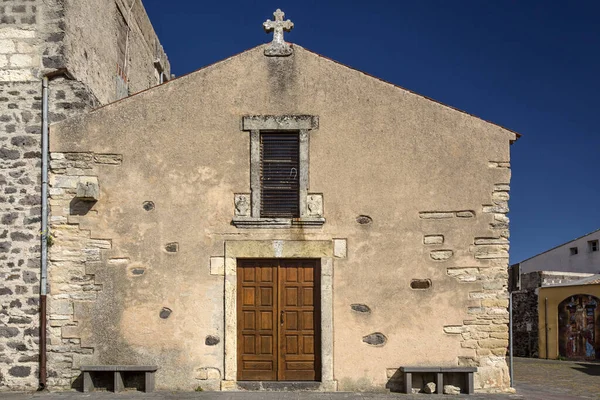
(297, 358)
(257, 296)
(278, 320)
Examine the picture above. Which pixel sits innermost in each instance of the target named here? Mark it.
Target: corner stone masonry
(484, 335)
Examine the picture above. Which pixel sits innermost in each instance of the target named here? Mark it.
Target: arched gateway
(579, 324)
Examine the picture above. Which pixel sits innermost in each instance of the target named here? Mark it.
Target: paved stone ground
(534, 380)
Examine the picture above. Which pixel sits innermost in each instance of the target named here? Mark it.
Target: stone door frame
(321, 249)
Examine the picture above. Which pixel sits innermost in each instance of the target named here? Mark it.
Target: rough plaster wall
(413, 200)
(93, 54)
(32, 43)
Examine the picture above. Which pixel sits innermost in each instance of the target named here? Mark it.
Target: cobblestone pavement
(534, 380)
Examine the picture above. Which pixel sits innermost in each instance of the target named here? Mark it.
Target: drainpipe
(546, 324)
(44, 236)
(510, 336)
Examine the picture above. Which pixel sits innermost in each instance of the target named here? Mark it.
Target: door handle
(281, 318)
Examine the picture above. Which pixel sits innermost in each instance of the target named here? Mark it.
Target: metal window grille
(279, 175)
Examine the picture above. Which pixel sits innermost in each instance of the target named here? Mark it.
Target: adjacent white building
(578, 255)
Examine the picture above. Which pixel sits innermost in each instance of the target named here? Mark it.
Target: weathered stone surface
(441, 255)
(451, 389)
(339, 248)
(172, 247)
(110, 159)
(375, 339)
(314, 204)
(165, 313)
(19, 371)
(433, 239)
(436, 215)
(212, 340)
(8, 331)
(360, 308)
(454, 329)
(364, 220)
(429, 388)
(242, 205)
(465, 214)
(88, 189)
(278, 47)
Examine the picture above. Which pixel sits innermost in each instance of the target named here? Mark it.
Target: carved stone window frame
(255, 124)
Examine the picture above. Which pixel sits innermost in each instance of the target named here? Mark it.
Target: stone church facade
(92, 52)
(312, 223)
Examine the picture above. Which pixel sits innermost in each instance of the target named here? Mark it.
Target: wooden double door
(278, 320)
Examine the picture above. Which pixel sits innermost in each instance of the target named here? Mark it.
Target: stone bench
(439, 377)
(117, 371)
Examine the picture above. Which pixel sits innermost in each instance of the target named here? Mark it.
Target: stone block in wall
(339, 248)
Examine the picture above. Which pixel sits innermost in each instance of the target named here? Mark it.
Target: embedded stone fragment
(361, 308)
(88, 189)
(314, 204)
(441, 255)
(433, 239)
(20, 371)
(501, 208)
(454, 329)
(172, 247)
(111, 159)
(465, 214)
(364, 219)
(148, 205)
(488, 252)
(484, 241)
(165, 313)
(8, 331)
(242, 205)
(451, 389)
(217, 266)
(429, 388)
(212, 340)
(435, 215)
(339, 248)
(375, 339)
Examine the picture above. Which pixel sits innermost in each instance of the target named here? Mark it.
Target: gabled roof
(560, 245)
(518, 135)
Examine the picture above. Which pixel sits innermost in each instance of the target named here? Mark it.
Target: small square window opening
(593, 245)
(573, 250)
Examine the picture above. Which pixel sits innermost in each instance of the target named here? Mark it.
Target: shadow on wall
(105, 381)
(80, 207)
(395, 382)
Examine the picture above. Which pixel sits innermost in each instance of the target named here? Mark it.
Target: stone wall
(484, 334)
(428, 249)
(37, 38)
(20, 178)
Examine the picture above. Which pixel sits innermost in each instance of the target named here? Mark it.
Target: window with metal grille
(279, 175)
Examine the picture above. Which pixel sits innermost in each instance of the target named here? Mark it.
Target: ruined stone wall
(34, 41)
(113, 55)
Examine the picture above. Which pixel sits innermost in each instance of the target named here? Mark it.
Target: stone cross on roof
(278, 46)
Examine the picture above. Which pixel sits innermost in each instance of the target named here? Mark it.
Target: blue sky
(531, 66)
